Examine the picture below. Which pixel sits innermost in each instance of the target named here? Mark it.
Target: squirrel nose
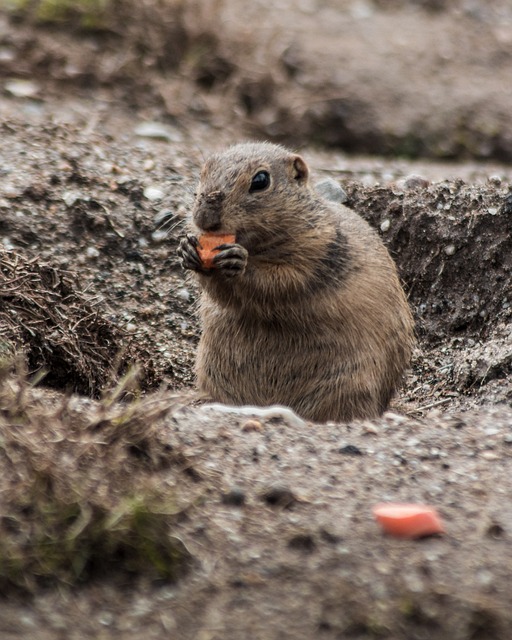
(208, 212)
(207, 221)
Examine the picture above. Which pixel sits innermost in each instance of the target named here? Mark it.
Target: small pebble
(331, 190)
(10, 191)
(106, 618)
(361, 10)
(159, 236)
(302, 542)
(235, 497)
(259, 450)
(252, 425)
(485, 578)
(153, 193)
(449, 250)
(495, 530)
(123, 180)
(279, 496)
(410, 183)
(489, 455)
(350, 450)
(22, 88)
(157, 131)
(414, 581)
(415, 182)
(92, 252)
(384, 225)
(149, 164)
(183, 294)
(397, 418)
(71, 197)
(506, 207)
(371, 429)
(6, 55)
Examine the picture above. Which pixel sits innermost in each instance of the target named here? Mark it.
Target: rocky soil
(98, 166)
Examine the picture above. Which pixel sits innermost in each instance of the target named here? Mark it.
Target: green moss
(91, 14)
(77, 541)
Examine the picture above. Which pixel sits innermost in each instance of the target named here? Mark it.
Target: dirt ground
(101, 145)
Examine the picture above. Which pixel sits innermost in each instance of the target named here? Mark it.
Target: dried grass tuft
(61, 332)
(88, 489)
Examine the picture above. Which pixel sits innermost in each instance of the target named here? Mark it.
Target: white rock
(92, 252)
(157, 131)
(183, 294)
(22, 88)
(153, 193)
(71, 197)
(331, 190)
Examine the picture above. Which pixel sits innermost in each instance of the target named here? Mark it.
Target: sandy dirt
(97, 176)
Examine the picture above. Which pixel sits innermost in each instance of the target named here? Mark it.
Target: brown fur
(315, 318)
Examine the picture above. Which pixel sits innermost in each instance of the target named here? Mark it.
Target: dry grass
(88, 489)
(60, 330)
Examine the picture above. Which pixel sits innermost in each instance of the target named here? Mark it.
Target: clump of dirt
(450, 222)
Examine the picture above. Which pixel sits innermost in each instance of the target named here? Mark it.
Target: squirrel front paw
(187, 251)
(229, 259)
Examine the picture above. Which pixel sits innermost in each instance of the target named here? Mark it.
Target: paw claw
(187, 251)
(231, 260)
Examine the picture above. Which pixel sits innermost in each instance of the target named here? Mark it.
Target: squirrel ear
(300, 170)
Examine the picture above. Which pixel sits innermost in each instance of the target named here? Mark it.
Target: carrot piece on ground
(207, 244)
(408, 520)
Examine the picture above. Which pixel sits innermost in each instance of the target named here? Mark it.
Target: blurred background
(410, 78)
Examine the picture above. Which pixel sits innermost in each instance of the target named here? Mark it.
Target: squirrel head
(253, 191)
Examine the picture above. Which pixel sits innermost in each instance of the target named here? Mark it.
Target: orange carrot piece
(408, 520)
(207, 244)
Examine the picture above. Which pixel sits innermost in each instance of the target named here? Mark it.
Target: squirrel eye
(260, 181)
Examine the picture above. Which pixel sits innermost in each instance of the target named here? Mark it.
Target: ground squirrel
(305, 308)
